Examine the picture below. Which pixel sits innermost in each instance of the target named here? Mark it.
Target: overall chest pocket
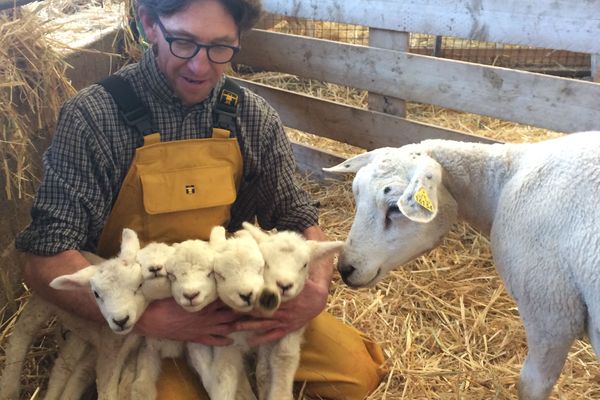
(186, 204)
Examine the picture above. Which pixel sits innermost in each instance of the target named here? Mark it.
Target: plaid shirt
(92, 150)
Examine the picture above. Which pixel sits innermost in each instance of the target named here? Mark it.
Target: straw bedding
(446, 324)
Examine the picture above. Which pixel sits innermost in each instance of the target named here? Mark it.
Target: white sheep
(537, 202)
(68, 379)
(238, 268)
(287, 256)
(124, 287)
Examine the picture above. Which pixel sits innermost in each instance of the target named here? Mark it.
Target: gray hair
(245, 13)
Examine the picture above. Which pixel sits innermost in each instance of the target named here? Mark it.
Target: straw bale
(33, 88)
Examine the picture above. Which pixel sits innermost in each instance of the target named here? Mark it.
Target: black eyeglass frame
(170, 39)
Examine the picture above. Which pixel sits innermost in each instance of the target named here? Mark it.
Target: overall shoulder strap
(131, 108)
(229, 97)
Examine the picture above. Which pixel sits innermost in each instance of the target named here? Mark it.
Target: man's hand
(209, 326)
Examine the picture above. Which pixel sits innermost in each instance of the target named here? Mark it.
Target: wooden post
(595, 70)
(393, 40)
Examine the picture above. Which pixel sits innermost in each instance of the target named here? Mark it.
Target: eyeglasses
(187, 48)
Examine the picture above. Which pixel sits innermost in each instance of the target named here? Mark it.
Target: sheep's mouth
(371, 282)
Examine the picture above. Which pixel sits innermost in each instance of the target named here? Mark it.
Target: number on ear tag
(423, 200)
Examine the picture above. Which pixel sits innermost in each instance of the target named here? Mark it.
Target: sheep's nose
(155, 269)
(346, 271)
(121, 322)
(284, 288)
(191, 296)
(269, 300)
(246, 297)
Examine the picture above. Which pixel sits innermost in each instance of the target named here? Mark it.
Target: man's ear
(148, 22)
(419, 202)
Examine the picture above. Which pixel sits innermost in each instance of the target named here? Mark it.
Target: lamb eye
(140, 286)
(96, 294)
(304, 266)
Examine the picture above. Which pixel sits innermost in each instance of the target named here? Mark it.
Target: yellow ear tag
(423, 199)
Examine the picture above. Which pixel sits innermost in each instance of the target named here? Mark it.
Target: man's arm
(39, 271)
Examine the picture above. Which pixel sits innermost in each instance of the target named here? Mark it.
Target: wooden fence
(392, 75)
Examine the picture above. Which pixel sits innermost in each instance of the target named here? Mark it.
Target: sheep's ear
(130, 245)
(257, 233)
(217, 236)
(77, 280)
(355, 163)
(419, 202)
(320, 249)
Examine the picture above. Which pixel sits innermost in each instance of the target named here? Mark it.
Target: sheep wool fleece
(337, 361)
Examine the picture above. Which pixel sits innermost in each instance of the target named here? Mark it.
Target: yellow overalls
(179, 190)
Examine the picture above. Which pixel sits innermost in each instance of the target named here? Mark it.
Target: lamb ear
(419, 202)
(77, 280)
(257, 233)
(320, 249)
(217, 236)
(355, 163)
(130, 245)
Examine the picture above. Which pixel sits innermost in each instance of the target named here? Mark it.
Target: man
(176, 181)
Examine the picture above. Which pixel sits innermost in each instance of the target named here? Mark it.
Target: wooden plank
(559, 104)
(311, 160)
(385, 39)
(560, 24)
(355, 126)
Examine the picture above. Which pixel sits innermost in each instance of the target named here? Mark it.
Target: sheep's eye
(140, 286)
(96, 294)
(171, 276)
(304, 266)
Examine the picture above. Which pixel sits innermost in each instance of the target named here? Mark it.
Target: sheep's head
(190, 271)
(287, 257)
(402, 211)
(239, 267)
(116, 284)
(153, 258)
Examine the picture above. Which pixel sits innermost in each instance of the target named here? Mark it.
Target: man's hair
(245, 13)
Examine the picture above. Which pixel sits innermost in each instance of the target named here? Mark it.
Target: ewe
(537, 202)
(287, 257)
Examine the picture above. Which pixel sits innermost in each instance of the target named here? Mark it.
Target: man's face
(205, 22)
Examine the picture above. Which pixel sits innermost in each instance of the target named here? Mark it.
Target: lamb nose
(284, 288)
(346, 271)
(121, 322)
(155, 269)
(191, 296)
(247, 297)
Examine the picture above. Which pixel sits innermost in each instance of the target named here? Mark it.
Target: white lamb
(123, 288)
(37, 312)
(238, 268)
(536, 201)
(287, 256)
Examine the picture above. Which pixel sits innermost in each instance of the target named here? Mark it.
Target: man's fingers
(269, 336)
(257, 325)
(214, 340)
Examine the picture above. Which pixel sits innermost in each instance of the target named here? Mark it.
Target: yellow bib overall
(179, 190)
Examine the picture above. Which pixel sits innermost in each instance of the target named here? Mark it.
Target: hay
(33, 88)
